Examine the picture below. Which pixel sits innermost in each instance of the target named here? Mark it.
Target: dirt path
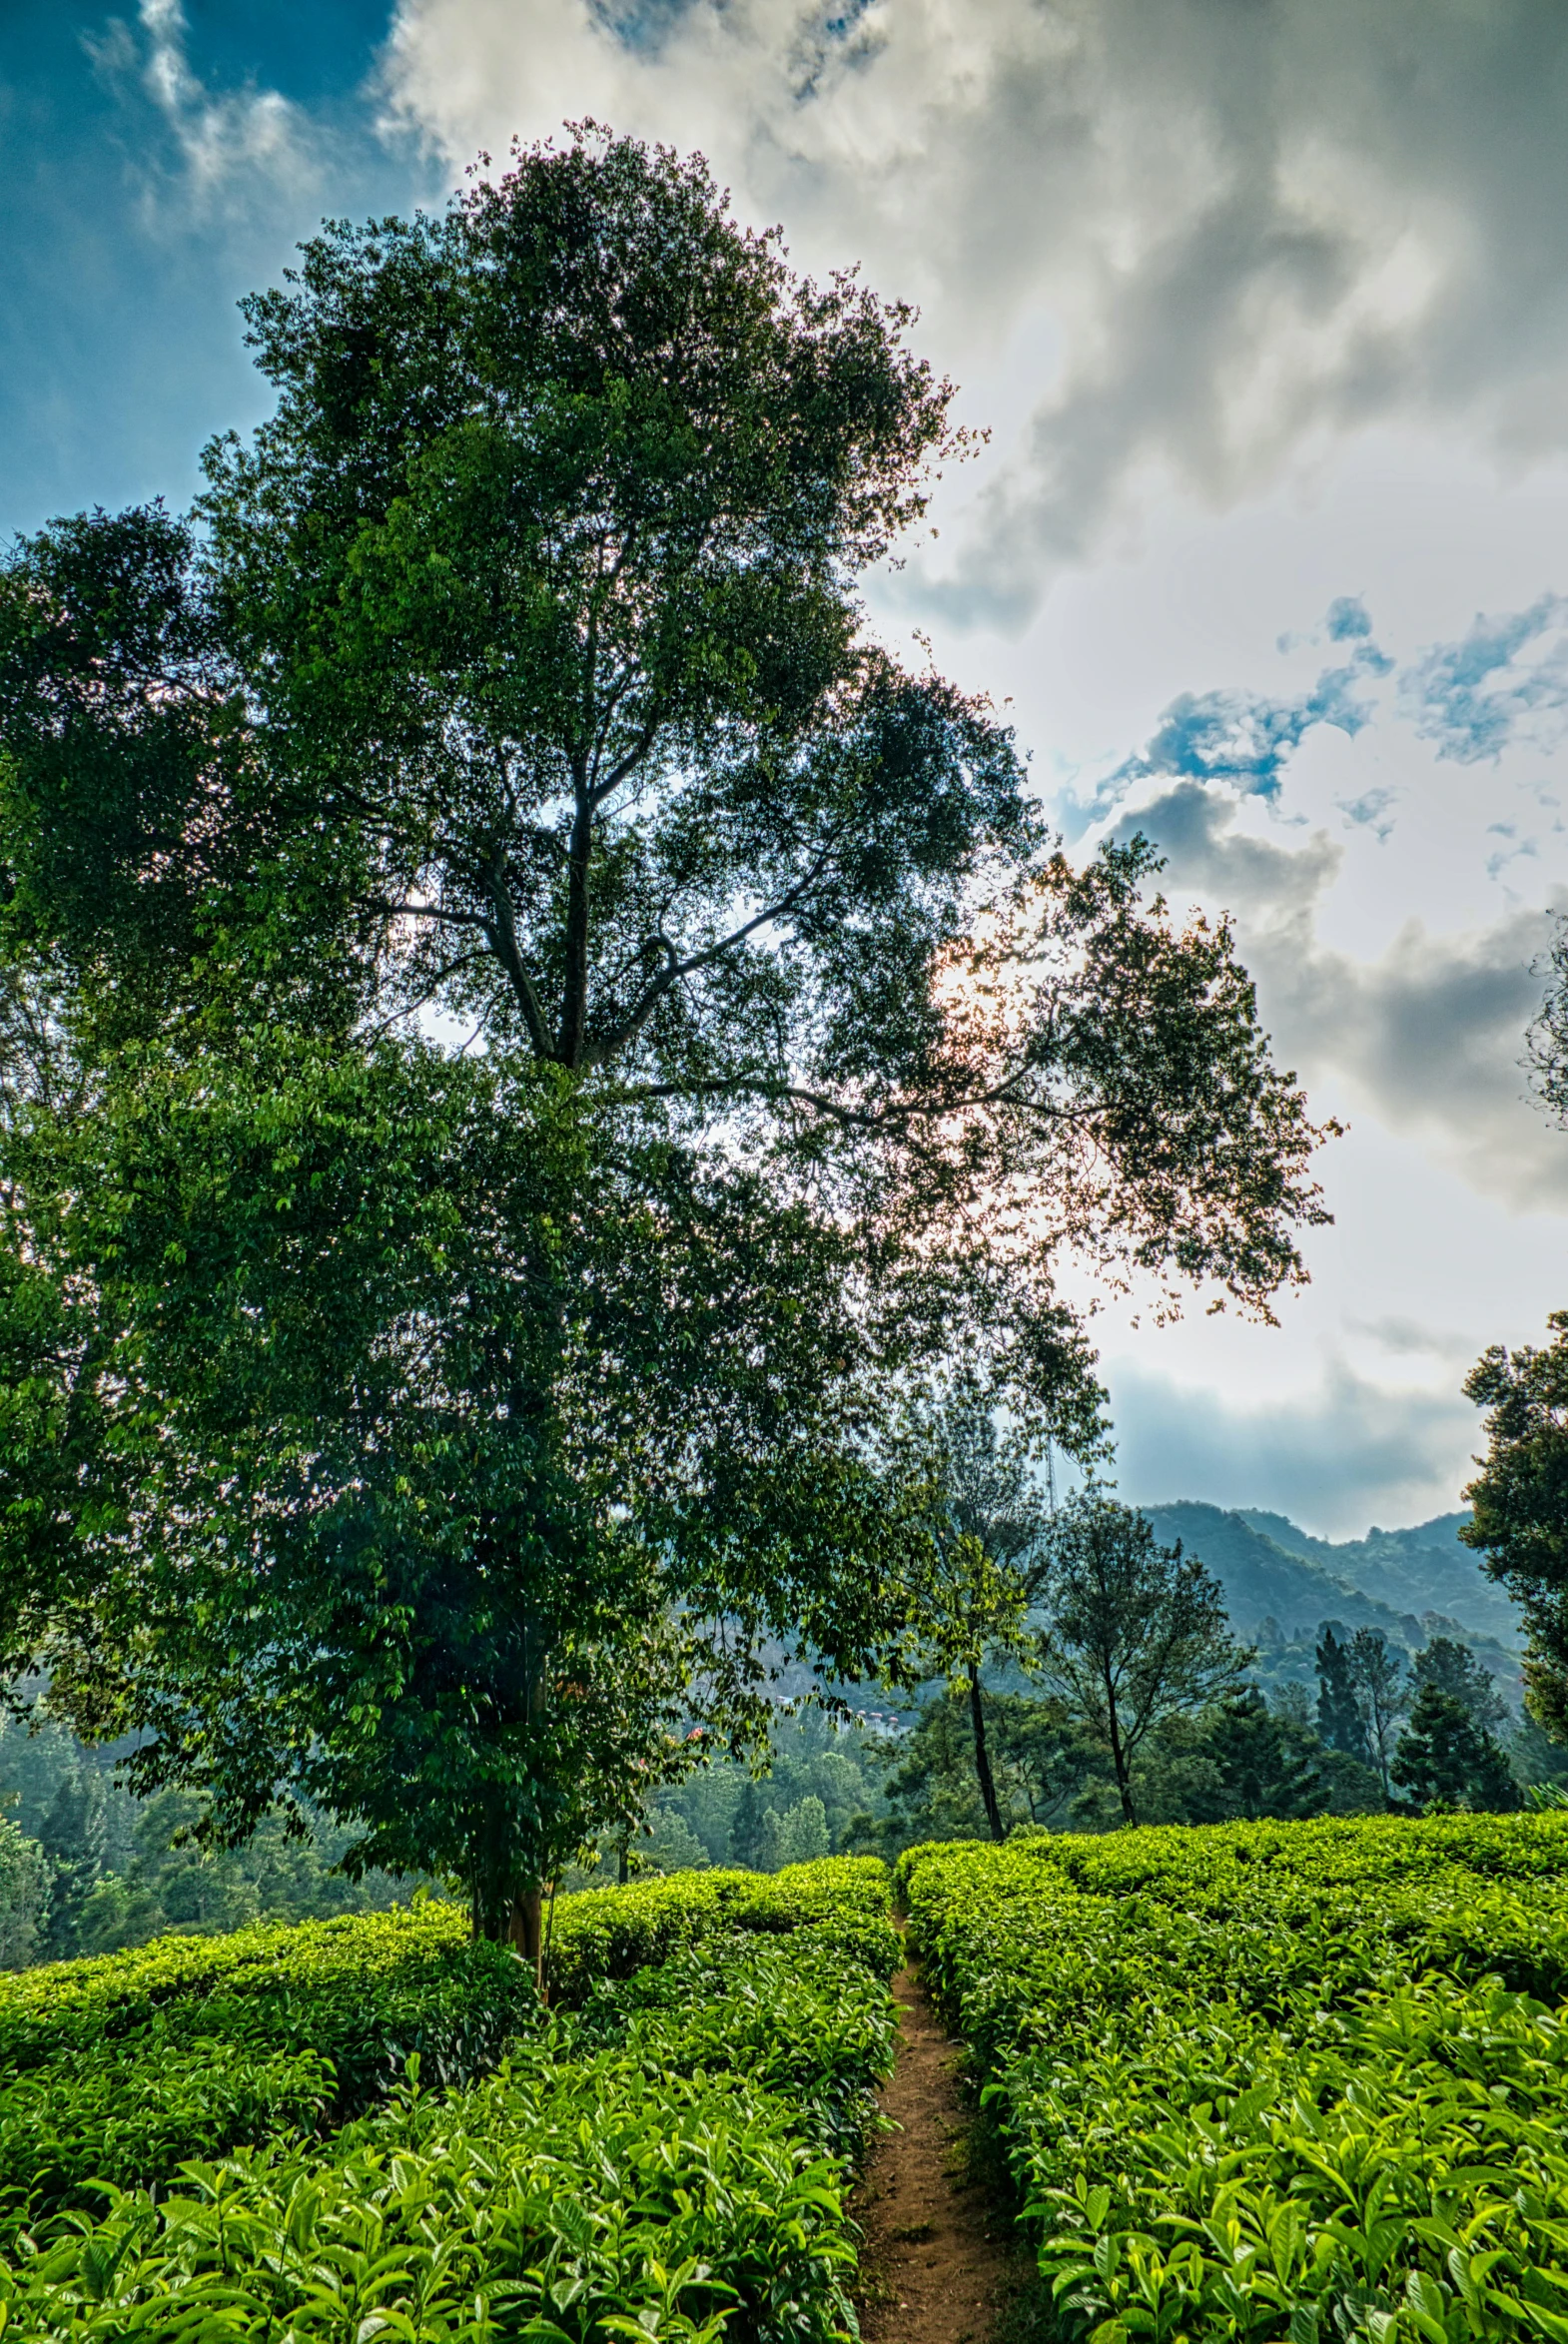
(934, 2265)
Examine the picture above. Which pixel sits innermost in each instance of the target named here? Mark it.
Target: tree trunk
(988, 1788)
(526, 1933)
(1118, 1759)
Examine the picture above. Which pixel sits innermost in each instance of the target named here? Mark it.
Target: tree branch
(502, 933)
(674, 968)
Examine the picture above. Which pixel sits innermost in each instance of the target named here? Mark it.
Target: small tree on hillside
(987, 1531)
(1454, 1669)
(1447, 1758)
(1137, 1631)
(1265, 1764)
(1340, 1722)
(1378, 1675)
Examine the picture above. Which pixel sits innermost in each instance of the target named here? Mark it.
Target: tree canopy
(1519, 1502)
(527, 1028)
(1137, 1631)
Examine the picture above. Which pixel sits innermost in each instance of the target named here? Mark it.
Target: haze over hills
(1281, 1584)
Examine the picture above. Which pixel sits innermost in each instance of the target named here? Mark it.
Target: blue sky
(1267, 313)
(127, 248)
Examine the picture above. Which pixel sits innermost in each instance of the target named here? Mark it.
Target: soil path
(935, 2263)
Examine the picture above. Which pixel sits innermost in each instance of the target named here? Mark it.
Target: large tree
(512, 685)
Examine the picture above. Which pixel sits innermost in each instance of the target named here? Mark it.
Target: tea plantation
(1274, 2082)
(370, 2128)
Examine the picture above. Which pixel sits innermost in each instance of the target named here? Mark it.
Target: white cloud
(227, 141)
(1428, 1036)
(1248, 231)
(1335, 1456)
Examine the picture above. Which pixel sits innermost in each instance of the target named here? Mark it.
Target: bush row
(1274, 2081)
(668, 2160)
(297, 2030)
(327, 1986)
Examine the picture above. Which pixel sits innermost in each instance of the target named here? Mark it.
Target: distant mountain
(1281, 1585)
(1419, 1570)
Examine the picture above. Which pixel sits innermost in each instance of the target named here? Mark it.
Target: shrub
(669, 2158)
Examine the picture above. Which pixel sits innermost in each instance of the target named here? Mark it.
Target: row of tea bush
(663, 2152)
(1273, 2082)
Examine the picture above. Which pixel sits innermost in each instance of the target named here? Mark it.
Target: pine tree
(1446, 1757)
(1341, 1722)
(746, 1832)
(1265, 1765)
(73, 1838)
(1453, 1668)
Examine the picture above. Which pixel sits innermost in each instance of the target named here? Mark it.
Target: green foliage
(1043, 1765)
(671, 2158)
(986, 1552)
(1447, 1758)
(608, 1933)
(1340, 1721)
(1519, 1502)
(24, 1895)
(1277, 2080)
(126, 1870)
(1262, 1765)
(395, 1424)
(810, 1758)
(1454, 1669)
(1137, 1632)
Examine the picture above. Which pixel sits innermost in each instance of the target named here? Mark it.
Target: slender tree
(1137, 1632)
(987, 1556)
(1382, 1691)
(1342, 1722)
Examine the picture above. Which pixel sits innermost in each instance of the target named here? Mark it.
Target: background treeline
(87, 1869)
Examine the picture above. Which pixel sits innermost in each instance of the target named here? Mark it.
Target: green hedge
(608, 1933)
(669, 2159)
(319, 1984)
(1274, 2081)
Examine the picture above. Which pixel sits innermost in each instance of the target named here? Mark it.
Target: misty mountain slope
(1419, 1570)
(1262, 1580)
(1278, 1600)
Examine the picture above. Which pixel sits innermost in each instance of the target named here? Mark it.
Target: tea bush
(667, 2158)
(1274, 2081)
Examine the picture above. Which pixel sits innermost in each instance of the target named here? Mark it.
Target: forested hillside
(1418, 1570)
(1281, 1585)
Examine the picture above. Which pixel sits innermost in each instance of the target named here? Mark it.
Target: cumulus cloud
(1335, 1457)
(1430, 1035)
(1236, 233)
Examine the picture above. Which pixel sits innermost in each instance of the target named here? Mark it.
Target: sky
(1265, 306)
